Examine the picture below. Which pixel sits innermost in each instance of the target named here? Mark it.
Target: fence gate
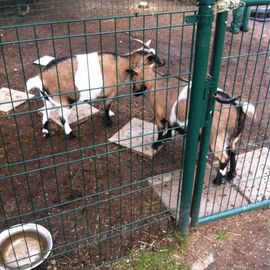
(240, 65)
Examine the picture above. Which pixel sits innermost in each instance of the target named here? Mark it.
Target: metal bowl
(24, 246)
(143, 4)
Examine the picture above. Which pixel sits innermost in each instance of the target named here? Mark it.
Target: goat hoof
(107, 122)
(217, 181)
(230, 176)
(156, 145)
(71, 135)
(46, 135)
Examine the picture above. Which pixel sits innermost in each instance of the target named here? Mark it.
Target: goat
(84, 78)
(170, 108)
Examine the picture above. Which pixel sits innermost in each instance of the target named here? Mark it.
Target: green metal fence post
(206, 132)
(204, 19)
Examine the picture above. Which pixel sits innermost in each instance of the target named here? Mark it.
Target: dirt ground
(88, 192)
(236, 243)
(240, 242)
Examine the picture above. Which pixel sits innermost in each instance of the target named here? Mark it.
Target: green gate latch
(192, 19)
(227, 5)
(207, 86)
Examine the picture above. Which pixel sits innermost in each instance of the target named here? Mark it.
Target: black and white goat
(170, 109)
(84, 78)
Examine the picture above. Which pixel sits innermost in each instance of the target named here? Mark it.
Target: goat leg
(168, 134)
(161, 125)
(221, 173)
(158, 143)
(232, 172)
(107, 121)
(45, 130)
(64, 112)
(45, 119)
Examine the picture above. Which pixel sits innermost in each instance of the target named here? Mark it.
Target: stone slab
(167, 186)
(220, 199)
(44, 61)
(137, 135)
(9, 96)
(217, 199)
(78, 114)
(252, 184)
(214, 199)
(253, 169)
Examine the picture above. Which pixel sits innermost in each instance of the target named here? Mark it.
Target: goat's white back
(173, 116)
(89, 76)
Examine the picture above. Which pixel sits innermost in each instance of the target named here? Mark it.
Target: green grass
(163, 259)
(166, 256)
(182, 240)
(222, 235)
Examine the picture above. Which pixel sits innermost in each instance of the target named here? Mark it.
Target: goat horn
(137, 50)
(225, 100)
(145, 44)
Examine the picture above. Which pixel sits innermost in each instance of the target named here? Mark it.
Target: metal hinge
(227, 5)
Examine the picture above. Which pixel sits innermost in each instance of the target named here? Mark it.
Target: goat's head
(145, 54)
(143, 77)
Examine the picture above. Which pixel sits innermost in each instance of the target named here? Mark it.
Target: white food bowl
(24, 246)
(143, 4)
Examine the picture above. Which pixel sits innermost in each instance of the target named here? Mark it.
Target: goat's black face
(138, 92)
(154, 58)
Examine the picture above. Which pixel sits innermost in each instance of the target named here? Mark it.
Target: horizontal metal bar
(232, 212)
(247, 55)
(91, 34)
(145, 221)
(244, 146)
(78, 150)
(97, 19)
(89, 197)
(256, 2)
(117, 86)
(62, 213)
(3, 116)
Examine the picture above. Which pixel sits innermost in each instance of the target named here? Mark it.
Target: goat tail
(248, 109)
(34, 82)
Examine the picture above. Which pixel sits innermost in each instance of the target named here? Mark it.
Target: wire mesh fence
(97, 198)
(107, 190)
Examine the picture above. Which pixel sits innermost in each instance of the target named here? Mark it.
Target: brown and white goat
(170, 105)
(84, 78)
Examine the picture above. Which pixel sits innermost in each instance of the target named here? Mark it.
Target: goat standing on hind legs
(84, 78)
(170, 105)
